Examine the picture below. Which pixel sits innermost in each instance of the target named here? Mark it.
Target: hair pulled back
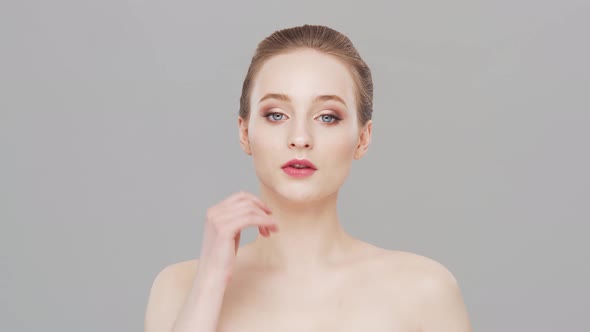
(320, 38)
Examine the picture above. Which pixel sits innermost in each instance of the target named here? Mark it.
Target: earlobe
(364, 141)
(360, 151)
(243, 135)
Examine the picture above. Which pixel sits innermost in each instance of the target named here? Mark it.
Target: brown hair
(323, 39)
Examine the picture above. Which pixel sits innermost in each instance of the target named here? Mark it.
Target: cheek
(343, 148)
(262, 147)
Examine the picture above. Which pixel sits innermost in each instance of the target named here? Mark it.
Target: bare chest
(339, 303)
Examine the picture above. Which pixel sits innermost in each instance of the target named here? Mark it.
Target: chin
(302, 192)
(300, 196)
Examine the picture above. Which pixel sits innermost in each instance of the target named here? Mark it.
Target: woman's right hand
(223, 227)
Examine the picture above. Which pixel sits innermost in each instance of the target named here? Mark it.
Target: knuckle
(251, 212)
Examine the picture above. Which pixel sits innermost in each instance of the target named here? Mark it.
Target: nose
(299, 143)
(300, 137)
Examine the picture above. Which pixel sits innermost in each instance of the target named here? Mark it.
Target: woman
(305, 114)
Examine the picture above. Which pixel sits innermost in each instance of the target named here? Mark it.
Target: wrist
(207, 279)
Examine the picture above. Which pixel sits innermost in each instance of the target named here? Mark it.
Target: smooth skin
(304, 272)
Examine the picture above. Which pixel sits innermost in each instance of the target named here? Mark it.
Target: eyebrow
(284, 97)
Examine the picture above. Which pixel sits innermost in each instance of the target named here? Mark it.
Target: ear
(243, 134)
(364, 140)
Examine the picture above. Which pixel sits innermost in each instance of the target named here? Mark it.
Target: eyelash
(335, 121)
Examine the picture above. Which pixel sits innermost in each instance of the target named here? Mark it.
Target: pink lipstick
(299, 168)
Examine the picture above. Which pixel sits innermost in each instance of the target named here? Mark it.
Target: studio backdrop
(118, 129)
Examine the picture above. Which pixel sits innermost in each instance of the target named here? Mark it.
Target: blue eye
(331, 116)
(272, 115)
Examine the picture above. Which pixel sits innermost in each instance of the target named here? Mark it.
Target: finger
(255, 200)
(264, 231)
(258, 218)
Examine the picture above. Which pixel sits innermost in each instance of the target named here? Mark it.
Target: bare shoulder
(432, 289)
(421, 270)
(167, 295)
(181, 272)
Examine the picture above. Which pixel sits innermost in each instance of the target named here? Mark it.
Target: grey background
(118, 129)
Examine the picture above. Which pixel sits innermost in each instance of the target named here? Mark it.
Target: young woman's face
(324, 131)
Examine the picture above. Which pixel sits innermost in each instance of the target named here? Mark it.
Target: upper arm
(166, 297)
(440, 306)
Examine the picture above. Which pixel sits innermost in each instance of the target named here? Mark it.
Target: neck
(310, 235)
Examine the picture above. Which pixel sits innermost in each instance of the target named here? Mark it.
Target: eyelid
(270, 111)
(336, 117)
(336, 111)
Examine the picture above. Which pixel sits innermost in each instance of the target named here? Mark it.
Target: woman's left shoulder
(418, 270)
(430, 290)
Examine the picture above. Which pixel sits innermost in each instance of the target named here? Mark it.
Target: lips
(302, 162)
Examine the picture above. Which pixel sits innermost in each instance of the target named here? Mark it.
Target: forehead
(304, 74)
